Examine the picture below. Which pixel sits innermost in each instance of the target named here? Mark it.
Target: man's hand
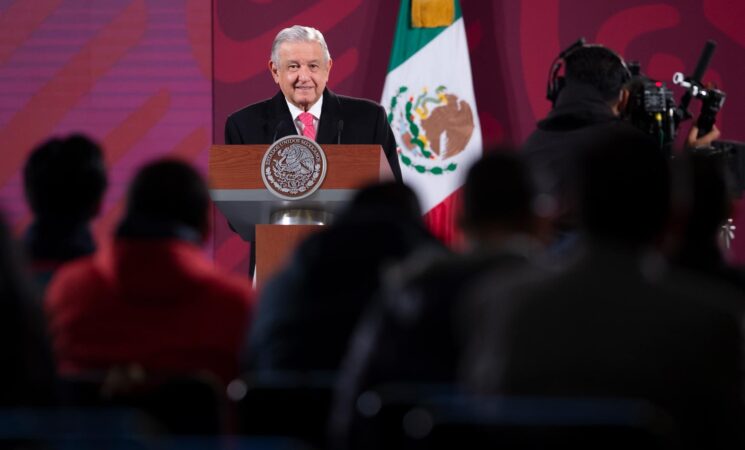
(694, 141)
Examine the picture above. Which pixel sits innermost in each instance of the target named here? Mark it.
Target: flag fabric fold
(431, 107)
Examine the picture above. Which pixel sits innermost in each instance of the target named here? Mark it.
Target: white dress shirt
(314, 110)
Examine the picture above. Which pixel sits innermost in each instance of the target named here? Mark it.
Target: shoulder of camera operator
(694, 141)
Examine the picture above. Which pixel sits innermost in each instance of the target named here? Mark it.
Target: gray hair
(299, 33)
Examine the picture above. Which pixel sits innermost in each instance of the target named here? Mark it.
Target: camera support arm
(682, 113)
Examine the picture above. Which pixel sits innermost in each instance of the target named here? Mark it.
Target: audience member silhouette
(27, 378)
(64, 181)
(152, 298)
(413, 335)
(709, 206)
(588, 107)
(610, 325)
(308, 311)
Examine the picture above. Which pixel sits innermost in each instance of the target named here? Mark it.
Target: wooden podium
(238, 191)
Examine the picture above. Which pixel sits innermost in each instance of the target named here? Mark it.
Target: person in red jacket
(151, 298)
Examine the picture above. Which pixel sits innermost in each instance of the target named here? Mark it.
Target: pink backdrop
(133, 74)
(150, 78)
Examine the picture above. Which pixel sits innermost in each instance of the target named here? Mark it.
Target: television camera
(652, 107)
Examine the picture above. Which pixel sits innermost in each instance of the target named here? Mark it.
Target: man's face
(301, 73)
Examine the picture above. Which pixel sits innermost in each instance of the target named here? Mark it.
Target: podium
(238, 191)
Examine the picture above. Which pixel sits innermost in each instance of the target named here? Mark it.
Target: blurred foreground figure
(64, 181)
(151, 298)
(707, 206)
(308, 311)
(612, 324)
(415, 334)
(27, 378)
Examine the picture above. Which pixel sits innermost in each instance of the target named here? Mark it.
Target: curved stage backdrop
(151, 78)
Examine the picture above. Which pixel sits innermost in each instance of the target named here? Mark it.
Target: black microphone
(339, 128)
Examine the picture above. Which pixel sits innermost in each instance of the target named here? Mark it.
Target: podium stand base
(274, 246)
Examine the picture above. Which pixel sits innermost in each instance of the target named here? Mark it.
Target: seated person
(307, 312)
(413, 335)
(617, 322)
(705, 211)
(151, 298)
(27, 378)
(64, 181)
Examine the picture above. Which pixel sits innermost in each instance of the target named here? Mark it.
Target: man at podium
(300, 64)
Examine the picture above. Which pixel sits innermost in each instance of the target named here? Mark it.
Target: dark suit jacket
(364, 122)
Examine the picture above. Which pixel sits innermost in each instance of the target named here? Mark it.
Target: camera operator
(589, 102)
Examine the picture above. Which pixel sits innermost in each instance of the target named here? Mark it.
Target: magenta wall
(138, 75)
(135, 75)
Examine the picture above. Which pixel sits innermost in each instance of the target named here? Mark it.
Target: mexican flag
(431, 107)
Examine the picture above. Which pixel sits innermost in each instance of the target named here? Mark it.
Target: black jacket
(344, 120)
(580, 120)
(308, 311)
(610, 327)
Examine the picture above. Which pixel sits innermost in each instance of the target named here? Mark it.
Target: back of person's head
(598, 67)
(27, 375)
(389, 199)
(9, 270)
(169, 191)
(65, 178)
(498, 193)
(710, 202)
(624, 189)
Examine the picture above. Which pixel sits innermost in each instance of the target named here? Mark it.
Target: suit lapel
(330, 115)
(278, 113)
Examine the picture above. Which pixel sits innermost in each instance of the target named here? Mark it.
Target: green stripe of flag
(408, 40)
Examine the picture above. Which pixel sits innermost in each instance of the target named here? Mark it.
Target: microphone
(339, 128)
(340, 124)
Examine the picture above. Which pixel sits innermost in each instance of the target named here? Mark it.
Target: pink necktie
(309, 130)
